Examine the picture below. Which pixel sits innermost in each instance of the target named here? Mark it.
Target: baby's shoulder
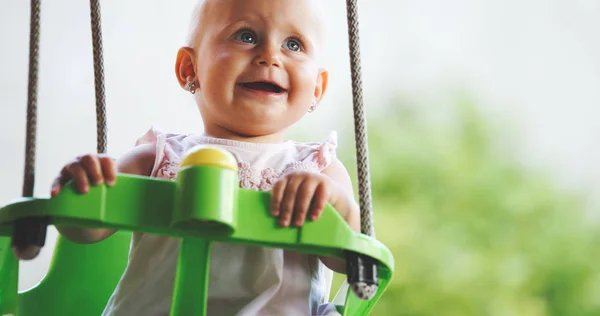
(330, 143)
(138, 160)
(320, 154)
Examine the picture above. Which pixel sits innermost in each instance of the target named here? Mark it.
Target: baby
(253, 68)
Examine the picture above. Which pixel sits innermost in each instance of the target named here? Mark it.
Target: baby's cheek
(306, 73)
(305, 82)
(211, 94)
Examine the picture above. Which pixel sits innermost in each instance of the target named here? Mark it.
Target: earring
(313, 106)
(192, 87)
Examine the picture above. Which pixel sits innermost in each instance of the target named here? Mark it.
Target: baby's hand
(94, 168)
(301, 194)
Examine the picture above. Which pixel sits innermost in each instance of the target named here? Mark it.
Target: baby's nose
(268, 57)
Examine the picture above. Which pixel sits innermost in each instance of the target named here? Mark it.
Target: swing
(204, 205)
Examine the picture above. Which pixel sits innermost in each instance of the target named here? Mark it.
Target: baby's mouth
(263, 86)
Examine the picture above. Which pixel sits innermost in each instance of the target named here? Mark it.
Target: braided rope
(31, 132)
(31, 231)
(34, 40)
(101, 125)
(360, 124)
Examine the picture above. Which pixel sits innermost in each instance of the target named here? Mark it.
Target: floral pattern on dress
(250, 178)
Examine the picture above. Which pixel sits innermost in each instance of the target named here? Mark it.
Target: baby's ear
(322, 84)
(185, 67)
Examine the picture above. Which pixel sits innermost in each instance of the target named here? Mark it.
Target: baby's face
(256, 64)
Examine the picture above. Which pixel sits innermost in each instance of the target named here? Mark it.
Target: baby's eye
(246, 37)
(293, 45)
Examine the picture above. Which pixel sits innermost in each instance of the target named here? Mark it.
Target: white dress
(244, 280)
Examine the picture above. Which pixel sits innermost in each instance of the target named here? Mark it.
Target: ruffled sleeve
(168, 148)
(318, 155)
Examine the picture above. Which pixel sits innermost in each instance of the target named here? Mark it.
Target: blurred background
(482, 116)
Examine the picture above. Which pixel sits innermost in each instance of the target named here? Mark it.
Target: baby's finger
(304, 198)
(80, 177)
(56, 186)
(320, 199)
(63, 177)
(109, 171)
(277, 196)
(289, 198)
(92, 168)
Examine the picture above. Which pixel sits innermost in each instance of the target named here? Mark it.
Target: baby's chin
(262, 134)
(258, 112)
(249, 118)
(258, 126)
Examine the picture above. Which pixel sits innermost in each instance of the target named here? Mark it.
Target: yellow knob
(204, 155)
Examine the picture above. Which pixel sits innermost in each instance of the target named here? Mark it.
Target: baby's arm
(345, 204)
(98, 169)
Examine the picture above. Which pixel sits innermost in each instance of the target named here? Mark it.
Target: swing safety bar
(204, 205)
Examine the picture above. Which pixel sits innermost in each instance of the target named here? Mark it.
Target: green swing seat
(205, 205)
(80, 280)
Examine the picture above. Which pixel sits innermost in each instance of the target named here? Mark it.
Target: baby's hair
(195, 28)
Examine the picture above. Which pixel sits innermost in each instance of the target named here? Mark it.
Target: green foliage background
(473, 230)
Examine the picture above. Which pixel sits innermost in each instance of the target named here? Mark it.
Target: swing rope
(20, 236)
(360, 122)
(31, 133)
(30, 140)
(360, 126)
(101, 125)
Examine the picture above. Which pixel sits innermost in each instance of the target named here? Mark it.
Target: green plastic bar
(192, 273)
(147, 210)
(203, 205)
